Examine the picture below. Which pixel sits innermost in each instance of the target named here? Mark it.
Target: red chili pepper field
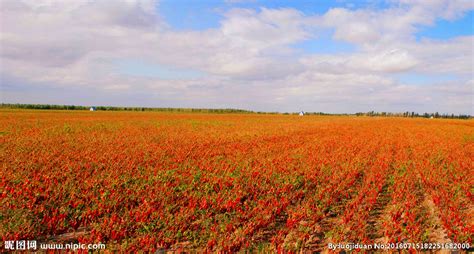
(233, 182)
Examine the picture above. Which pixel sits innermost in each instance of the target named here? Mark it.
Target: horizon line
(40, 106)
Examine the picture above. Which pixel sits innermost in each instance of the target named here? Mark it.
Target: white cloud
(454, 56)
(394, 60)
(373, 28)
(440, 8)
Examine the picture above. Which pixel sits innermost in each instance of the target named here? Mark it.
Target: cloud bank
(75, 52)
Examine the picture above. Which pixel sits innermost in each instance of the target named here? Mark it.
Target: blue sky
(192, 15)
(200, 15)
(445, 29)
(334, 56)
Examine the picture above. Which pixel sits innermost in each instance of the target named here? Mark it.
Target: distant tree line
(226, 110)
(44, 106)
(110, 108)
(414, 114)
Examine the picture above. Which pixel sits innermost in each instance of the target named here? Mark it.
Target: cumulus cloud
(248, 61)
(455, 56)
(439, 8)
(394, 60)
